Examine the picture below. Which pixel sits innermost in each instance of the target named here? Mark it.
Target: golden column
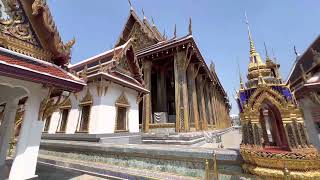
(208, 101)
(181, 91)
(147, 109)
(192, 72)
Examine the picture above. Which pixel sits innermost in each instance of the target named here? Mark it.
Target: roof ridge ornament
(153, 24)
(131, 8)
(190, 26)
(144, 17)
(295, 51)
(175, 31)
(266, 51)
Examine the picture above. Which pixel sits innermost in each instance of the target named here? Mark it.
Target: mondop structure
(274, 135)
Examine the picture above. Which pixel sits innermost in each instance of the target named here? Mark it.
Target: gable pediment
(135, 29)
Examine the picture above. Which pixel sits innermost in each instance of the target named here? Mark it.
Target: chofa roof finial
(144, 17)
(190, 26)
(175, 31)
(153, 24)
(266, 50)
(295, 51)
(131, 8)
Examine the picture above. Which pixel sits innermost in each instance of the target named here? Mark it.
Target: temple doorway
(272, 126)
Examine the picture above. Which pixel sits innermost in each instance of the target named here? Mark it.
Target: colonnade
(199, 101)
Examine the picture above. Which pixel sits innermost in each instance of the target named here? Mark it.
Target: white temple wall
(107, 109)
(54, 122)
(103, 111)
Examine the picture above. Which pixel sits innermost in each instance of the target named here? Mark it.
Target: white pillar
(24, 164)
(6, 130)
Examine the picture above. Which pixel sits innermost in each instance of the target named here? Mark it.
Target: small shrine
(275, 143)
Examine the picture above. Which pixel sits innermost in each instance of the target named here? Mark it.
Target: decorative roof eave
(119, 81)
(33, 76)
(44, 26)
(72, 83)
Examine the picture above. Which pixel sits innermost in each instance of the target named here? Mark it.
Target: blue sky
(218, 28)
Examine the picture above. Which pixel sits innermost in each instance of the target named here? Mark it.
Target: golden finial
(252, 48)
(144, 17)
(130, 5)
(175, 31)
(266, 51)
(295, 51)
(153, 24)
(240, 76)
(190, 26)
(212, 66)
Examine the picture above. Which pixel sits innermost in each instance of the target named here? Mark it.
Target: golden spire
(255, 59)
(252, 48)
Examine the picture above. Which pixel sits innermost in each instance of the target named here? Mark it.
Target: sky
(218, 27)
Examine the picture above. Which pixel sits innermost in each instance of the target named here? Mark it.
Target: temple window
(63, 120)
(64, 113)
(84, 119)
(122, 106)
(85, 108)
(47, 124)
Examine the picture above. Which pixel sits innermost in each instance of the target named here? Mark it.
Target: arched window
(122, 106)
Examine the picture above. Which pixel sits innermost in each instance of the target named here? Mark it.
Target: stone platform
(119, 138)
(190, 138)
(179, 160)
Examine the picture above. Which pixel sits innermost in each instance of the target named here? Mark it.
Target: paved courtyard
(230, 139)
(46, 172)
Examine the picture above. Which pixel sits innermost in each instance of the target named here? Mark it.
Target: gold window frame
(66, 106)
(86, 101)
(122, 102)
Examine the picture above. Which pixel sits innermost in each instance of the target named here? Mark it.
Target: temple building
(33, 82)
(304, 81)
(146, 83)
(109, 102)
(275, 143)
